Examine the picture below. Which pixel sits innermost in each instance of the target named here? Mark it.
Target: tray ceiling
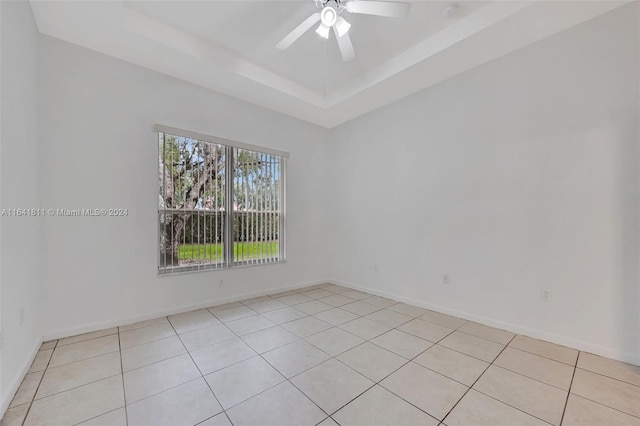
(229, 46)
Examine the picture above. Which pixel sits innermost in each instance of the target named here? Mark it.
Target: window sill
(196, 269)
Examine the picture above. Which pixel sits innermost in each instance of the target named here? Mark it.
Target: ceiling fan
(330, 17)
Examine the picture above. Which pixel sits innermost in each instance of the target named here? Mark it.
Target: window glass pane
(191, 203)
(256, 212)
(201, 204)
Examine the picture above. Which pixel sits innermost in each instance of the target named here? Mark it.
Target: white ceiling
(229, 46)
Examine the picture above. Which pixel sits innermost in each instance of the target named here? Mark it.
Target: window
(221, 203)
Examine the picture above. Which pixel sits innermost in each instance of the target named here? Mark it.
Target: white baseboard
(15, 383)
(612, 353)
(101, 325)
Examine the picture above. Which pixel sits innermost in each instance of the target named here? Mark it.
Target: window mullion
(282, 210)
(228, 197)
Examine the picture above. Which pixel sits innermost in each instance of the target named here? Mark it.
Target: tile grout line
(566, 401)
(124, 390)
(79, 386)
(377, 383)
(484, 338)
(141, 327)
(121, 375)
(374, 382)
(104, 378)
(286, 379)
(476, 381)
(298, 338)
(33, 398)
(309, 398)
(161, 392)
(330, 357)
(265, 360)
(495, 399)
(608, 377)
(469, 387)
(462, 353)
(80, 360)
(509, 344)
(542, 356)
(95, 417)
(237, 336)
(351, 368)
(606, 406)
(86, 340)
(412, 360)
(151, 363)
(200, 371)
(531, 378)
(74, 387)
(509, 405)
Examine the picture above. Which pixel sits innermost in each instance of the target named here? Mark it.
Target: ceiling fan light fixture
(342, 26)
(323, 31)
(328, 16)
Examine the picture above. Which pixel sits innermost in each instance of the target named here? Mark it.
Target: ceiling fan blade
(344, 43)
(379, 8)
(298, 31)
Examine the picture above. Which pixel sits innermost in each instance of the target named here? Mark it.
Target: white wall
(20, 243)
(98, 151)
(518, 175)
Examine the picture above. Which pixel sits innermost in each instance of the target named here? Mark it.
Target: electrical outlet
(445, 278)
(545, 294)
(21, 316)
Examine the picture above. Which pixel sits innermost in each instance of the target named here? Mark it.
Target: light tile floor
(322, 355)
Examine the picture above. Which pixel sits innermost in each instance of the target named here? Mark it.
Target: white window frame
(229, 261)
